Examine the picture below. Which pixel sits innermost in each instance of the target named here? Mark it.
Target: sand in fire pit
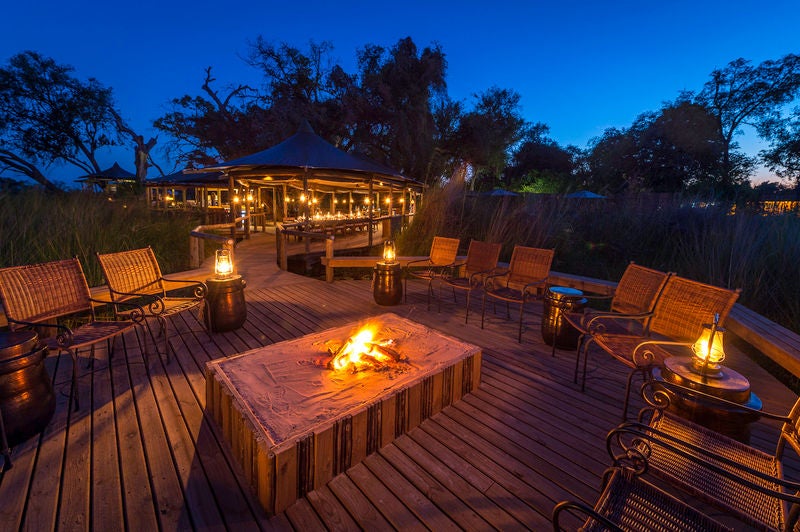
(284, 392)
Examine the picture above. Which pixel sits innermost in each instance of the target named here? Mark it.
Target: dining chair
(469, 276)
(44, 295)
(442, 255)
(523, 281)
(136, 276)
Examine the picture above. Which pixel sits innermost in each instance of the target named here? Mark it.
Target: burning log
(360, 352)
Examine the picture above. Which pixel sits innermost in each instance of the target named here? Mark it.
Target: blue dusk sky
(579, 66)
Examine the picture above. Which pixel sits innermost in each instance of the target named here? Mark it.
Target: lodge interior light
(707, 350)
(223, 264)
(249, 198)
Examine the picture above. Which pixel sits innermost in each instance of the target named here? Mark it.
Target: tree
(741, 94)
(48, 116)
(486, 135)
(783, 155)
(678, 148)
(397, 108)
(205, 129)
(540, 164)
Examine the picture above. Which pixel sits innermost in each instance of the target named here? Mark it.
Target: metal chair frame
(481, 262)
(442, 255)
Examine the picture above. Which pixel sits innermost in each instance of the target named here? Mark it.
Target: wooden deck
(141, 455)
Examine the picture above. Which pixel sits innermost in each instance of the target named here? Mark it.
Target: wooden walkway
(141, 455)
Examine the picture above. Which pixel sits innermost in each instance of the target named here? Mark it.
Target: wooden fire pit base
(293, 425)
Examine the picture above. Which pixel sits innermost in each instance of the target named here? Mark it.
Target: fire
(362, 351)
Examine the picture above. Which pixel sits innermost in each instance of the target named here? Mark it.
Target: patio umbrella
(499, 192)
(585, 194)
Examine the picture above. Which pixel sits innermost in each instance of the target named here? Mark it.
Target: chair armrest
(644, 355)
(479, 278)
(490, 280)
(199, 287)
(636, 440)
(63, 336)
(657, 400)
(534, 284)
(579, 507)
(136, 311)
(592, 324)
(418, 263)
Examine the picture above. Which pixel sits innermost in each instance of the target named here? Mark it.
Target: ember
(362, 351)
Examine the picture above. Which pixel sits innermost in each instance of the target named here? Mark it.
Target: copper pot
(27, 402)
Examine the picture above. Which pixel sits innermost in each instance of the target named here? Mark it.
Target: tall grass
(759, 254)
(39, 227)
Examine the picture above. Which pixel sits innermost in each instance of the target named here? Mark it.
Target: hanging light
(707, 350)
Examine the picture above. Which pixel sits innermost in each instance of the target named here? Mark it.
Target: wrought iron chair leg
(578, 358)
(5, 450)
(466, 314)
(483, 309)
(74, 392)
(585, 361)
(645, 372)
(521, 314)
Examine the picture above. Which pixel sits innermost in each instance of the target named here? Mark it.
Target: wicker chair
(481, 262)
(38, 294)
(634, 296)
(442, 255)
(678, 317)
(524, 280)
(628, 502)
(726, 473)
(136, 276)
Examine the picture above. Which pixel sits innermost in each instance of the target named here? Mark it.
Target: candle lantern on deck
(223, 264)
(225, 305)
(707, 350)
(387, 279)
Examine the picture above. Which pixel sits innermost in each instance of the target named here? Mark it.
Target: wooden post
(280, 241)
(329, 255)
(370, 211)
(196, 251)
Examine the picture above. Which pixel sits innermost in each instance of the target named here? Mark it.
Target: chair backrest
(529, 264)
(133, 272)
(481, 257)
(685, 305)
(40, 292)
(443, 250)
(638, 289)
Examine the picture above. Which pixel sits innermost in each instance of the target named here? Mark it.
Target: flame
(360, 350)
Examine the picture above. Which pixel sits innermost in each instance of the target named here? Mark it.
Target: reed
(756, 253)
(39, 227)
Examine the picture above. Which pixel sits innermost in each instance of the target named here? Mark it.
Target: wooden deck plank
(499, 458)
(106, 489)
(357, 504)
(395, 512)
(330, 510)
(417, 502)
(73, 509)
(421, 479)
(137, 493)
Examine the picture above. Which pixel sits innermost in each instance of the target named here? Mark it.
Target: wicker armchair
(523, 281)
(726, 473)
(136, 276)
(481, 262)
(628, 502)
(37, 295)
(678, 317)
(442, 255)
(635, 297)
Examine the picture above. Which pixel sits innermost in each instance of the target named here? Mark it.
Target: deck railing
(199, 235)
